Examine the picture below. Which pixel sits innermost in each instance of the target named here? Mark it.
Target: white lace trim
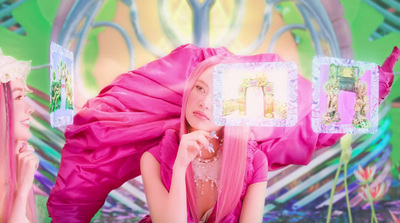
(12, 69)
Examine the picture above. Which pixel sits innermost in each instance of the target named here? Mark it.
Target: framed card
(255, 94)
(61, 86)
(345, 96)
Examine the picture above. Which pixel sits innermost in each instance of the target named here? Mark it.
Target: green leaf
(48, 9)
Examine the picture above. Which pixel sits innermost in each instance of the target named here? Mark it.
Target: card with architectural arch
(255, 94)
(61, 86)
(345, 96)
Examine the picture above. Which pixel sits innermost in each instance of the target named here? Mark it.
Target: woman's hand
(191, 145)
(27, 163)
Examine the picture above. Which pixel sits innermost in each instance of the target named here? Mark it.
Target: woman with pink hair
(226, 176)
(18, 163)
(150, 109)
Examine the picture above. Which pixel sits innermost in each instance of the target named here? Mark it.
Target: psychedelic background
(109, 37)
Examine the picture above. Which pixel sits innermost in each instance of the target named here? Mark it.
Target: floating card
(255, 94)
(345, 96)
(61, 86)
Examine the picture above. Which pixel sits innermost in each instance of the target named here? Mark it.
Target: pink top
(130, 116)
(165, 154)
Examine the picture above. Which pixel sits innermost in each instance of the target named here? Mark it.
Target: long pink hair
(233, 159)
(8, 156)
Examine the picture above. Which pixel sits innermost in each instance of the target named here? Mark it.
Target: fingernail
(30, 147)
(214, 134)
(22, 145)
(210, 148)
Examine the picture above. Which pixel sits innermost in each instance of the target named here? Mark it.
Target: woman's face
(199, 107)
(22, 111)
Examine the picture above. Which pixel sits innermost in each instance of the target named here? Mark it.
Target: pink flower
(365, 176)
(395, 220)
(376, 192)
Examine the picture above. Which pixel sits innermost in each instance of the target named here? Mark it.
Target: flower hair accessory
(12, 69)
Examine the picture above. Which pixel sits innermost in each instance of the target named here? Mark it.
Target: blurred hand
(27, 164)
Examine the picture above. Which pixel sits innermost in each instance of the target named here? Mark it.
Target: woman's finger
(30, 148)
(195, 134)
(32, 157)
(22, 147)
(23, 155)
(194, 145)
(204, 133)
(203, 141)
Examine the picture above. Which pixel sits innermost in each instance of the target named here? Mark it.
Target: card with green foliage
(61, 86)
(345, 96)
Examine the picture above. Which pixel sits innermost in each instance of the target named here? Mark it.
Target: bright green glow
(377, 51)
(365, 50)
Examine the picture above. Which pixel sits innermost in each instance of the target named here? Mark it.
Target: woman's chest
(206, 195)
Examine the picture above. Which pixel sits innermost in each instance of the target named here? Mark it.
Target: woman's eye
(198, 87)
(19, 97)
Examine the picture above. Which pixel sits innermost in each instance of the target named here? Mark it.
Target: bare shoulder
(147, 157)
(148, 162)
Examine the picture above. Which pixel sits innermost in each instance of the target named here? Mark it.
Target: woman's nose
(206, 102)
(29, 108)
(203, 105)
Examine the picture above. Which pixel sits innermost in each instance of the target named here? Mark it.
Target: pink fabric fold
(130, 116)
(386, 74)
(109, 135)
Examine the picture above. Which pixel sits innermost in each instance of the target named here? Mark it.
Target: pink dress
(256, 170)
(130, 116)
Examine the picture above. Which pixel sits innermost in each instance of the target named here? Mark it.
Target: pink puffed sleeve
(260, 167)
(111, 132)
(295, 145)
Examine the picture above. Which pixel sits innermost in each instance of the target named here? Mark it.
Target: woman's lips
(25, 123)
(200, 115)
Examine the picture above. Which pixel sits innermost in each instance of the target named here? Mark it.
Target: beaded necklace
(206, 170)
